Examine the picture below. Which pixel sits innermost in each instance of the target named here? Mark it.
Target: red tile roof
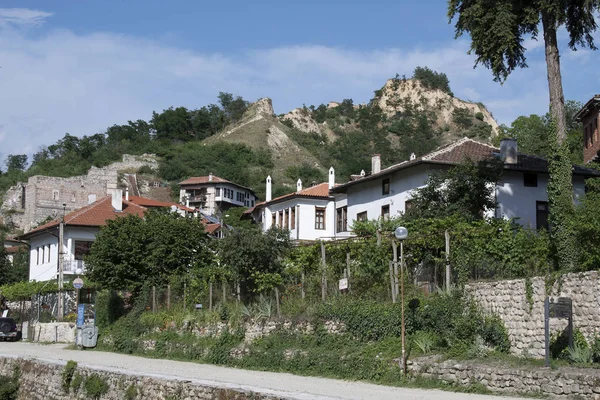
(149, 203)
(318, 191)
(14, 249)
(95, 214)
(211, 228)
(204, 179)
(463, 150)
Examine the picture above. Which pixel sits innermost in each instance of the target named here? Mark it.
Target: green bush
(131, 393)
(76, 382)
(95, 386)
(559, 344)
(9, 386)
(109, 308)
(596, 349)
(494, 333)
(67, 375)
(479, 115)
(219, 353)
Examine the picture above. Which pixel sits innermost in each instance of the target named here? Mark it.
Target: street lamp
(401, 233)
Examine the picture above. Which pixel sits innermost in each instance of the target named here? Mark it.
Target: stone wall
(52, 332)
(26, 205)
(565, 383)
(43, 380)
(524, 318)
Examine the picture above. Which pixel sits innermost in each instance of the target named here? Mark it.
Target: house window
(342, 219)
(273, 219)
(385, 212)
(48, 253)
(385, 187)
(530, 180)
(55, 195)
(73, 198)
(408, 205)
(541, 214)
(40, 256)
(218, 192)
(293, 214)
(319, 218)
(361, 216)
(82, 248)
(286, 221)
(281, 218)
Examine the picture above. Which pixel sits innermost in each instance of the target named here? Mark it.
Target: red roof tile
(211, 228)
(318, 191)
(150, 203)
(204, 179)
(95, 214)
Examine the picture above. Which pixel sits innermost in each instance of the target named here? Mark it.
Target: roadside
(281, 384)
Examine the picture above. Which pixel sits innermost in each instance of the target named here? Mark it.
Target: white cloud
(62, 82)
(22, 16)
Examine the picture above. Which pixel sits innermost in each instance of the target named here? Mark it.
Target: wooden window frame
(408, 205)
(385, 216)
(293, 218)
(320, 211)
(362, 216)
(385, 187)
(537, 215)
(342, 219)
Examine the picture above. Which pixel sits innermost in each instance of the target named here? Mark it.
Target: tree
(234, 108)
(255, 258)
(130, 252)
(497, 31)
(16, 162)
(466, 190)
(432, 80)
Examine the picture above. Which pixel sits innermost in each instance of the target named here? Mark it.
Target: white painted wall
(212, 198)
(44, 269)
(305, 217)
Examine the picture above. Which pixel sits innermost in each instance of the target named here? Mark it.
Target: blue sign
(80, 314)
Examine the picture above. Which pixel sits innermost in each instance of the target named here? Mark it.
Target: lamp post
(61, 233)
(401, 233)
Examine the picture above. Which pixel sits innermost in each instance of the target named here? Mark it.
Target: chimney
(412, 156)
(375, 163)
(331, 177)
(268, 193)
(127, 193)
(210, 176)
(509, 151)
(117, 200)
(91, 198)
(299, 185)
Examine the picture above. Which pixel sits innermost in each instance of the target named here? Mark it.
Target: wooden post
(277, 302)
(153, 299)
(448, 272)
(169, 296)
(184, 292)
(224, 292)
(348, 269)
(302, 290)
(378, 237)
(210, 295)
(238, 297)
(392, 282)
(323, 273)
(395, 249)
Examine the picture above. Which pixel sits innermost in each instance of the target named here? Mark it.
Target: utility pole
(448, 272)
(61, 239)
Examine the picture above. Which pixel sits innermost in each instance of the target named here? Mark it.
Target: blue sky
(79, 67)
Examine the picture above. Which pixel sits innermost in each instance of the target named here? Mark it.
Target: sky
(79, 67)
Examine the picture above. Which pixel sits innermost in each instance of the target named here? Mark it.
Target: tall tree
(498, 30)
(16, 162)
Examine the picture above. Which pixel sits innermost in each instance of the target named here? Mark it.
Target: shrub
(95, 386)
(580, 354)
(109, 308)
(479, 115)
(9, 385)
(494, 334)
(67, 375)
(559, 344)
(596, 350)
(425, 341)
(146, 170)
(131, 393)
(76, 382)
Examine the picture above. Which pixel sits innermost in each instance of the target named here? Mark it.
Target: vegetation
(9, 385)
(95, 386)
(496, 40)
(432, 80)
(67, 375)
(16, 271)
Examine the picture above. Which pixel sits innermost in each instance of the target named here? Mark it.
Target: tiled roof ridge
(452, 146)
(85, 209)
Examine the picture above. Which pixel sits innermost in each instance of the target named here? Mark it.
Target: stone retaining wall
(524, 318)
(52, 332)
(566, 383)
(43, 380)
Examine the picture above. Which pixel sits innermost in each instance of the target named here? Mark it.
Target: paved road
(282, 384)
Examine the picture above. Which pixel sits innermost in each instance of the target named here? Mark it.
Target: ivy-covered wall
(520, 304)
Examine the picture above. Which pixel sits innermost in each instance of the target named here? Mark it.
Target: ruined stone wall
(523, 314)
(44, 196)
(42, 380)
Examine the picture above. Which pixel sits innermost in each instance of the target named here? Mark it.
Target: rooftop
(320, 190)
(210, 179)
(592, 103)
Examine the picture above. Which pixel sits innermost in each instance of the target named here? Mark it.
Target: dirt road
(282, 384)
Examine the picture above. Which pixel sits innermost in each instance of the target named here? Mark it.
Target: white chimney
(210, 176)
(117, 199)
(412, 156)
(375, 163)
(268, 193)
(299, 185)
(91, 198)
(509, 151)
(362, 172)
(127, 193)
(331, 177)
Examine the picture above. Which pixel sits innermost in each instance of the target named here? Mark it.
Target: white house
(521, 193)
(80, 229)
(211, 194)
(308, 213)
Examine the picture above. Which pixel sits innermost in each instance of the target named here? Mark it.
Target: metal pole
(547, 330)
(448, 275)
(395, 249)
(402, 307)
(61, 239)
